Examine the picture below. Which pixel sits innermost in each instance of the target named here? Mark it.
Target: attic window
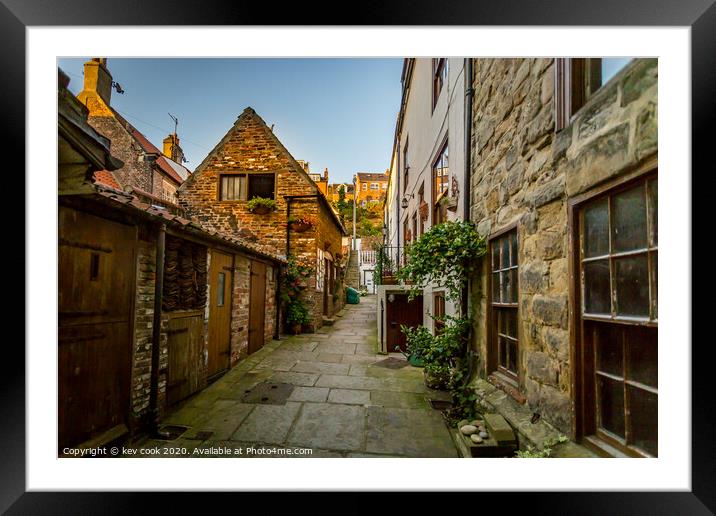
(244, 187)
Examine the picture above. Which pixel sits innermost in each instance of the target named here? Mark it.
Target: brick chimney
(97, 86)
(171, 148)
(325, 175)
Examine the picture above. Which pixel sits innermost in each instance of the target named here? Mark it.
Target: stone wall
(523, 173)
(250, 146)
(134, 172)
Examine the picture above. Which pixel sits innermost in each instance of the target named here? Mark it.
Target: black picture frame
(16, 15)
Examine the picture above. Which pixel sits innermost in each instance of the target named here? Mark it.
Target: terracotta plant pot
(300, 228)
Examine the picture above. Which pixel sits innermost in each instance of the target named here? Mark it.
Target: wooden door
(184, 330)
(219, 348)
(96, 281)
(399, 312)
(257, 306)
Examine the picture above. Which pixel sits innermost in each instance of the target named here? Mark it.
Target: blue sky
(335, 113)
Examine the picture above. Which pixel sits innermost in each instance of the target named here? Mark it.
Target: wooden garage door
(219, 312)
(95, 285)
(184, 330)
(257, 306)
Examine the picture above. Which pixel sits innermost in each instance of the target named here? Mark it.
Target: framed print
(247, 219)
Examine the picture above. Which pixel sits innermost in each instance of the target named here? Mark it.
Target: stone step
(328, 321)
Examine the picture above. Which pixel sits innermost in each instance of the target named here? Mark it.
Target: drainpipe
(277, 280)
(469, 93)
(157, 331)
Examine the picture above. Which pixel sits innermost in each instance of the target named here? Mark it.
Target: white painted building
(427, 162)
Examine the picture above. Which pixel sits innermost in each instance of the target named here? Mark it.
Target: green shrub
(261, 201)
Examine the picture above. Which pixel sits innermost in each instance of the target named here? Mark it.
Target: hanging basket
(261, 210)
(300, 227)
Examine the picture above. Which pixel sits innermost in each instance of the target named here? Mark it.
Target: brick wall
(240, 309)
(249, 146)
(524, 172)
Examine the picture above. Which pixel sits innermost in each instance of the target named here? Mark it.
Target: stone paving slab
(267, 423)
(302, 379)
(329, 426)
(332, 358)
(348, 382)
(336, 347)
(398, 399)
(349, 396)
(315, 394)
(320, 368)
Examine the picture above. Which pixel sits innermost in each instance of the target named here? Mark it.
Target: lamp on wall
(404, 202)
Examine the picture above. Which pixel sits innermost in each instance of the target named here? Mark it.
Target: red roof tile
(105, 177)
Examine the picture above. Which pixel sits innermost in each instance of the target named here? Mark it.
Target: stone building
(151, 174)
(426, 178)
(334, 191)
(563, 184)
(132, 345)
(250, 162)
(370, 187)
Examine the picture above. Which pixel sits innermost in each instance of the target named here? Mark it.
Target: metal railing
(390, 259)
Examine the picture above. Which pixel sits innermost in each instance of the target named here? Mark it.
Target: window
(406, 168)
(365, 187)
(320, 269)
(244, 187)
(438, 312)
(503, 306)
(415, 225)
(421, 201)
(441, 170)
(384, 186)
(578, 80)
(220, 287)
(618, 259)
(374, 186)
(440, 71)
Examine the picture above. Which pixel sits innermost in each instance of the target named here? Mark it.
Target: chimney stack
(325, 174)
(171, 148)
(97, 90)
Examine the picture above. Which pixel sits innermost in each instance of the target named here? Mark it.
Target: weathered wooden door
(184, 331)
(399, 312)
(219, 349)
(96, 281)
(257, 306)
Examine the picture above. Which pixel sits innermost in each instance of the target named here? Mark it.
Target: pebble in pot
(484, 435)
(476, 438)
(468, 429)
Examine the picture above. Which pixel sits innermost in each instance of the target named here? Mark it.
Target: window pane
(629, 220)
(611, 405)
(609, 347)
(632, 285)
(513, 285)
(508, 322)
(220, 289)
(513, 252)
(655, 283)
(505, 244)
(644, 419)
(506, 294)
(611, 66)
(642, 356)
(261, 185)
(652, 191)
(496, 287)
(495, 256)
(503, 352)
(596, 229)
(597, 293)
(512, 356)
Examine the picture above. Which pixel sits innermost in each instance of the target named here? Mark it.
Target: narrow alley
(332, 394)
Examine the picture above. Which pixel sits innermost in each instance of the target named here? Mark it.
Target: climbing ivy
(445, 255)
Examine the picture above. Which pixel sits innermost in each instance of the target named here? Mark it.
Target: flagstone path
(341, 404)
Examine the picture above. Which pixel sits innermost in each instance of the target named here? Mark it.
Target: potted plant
(297, 316)
(261, 205)
(300, 224)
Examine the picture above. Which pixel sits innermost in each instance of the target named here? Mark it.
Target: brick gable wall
(250, 147)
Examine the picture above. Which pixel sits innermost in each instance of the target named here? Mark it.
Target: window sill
(507, 385)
